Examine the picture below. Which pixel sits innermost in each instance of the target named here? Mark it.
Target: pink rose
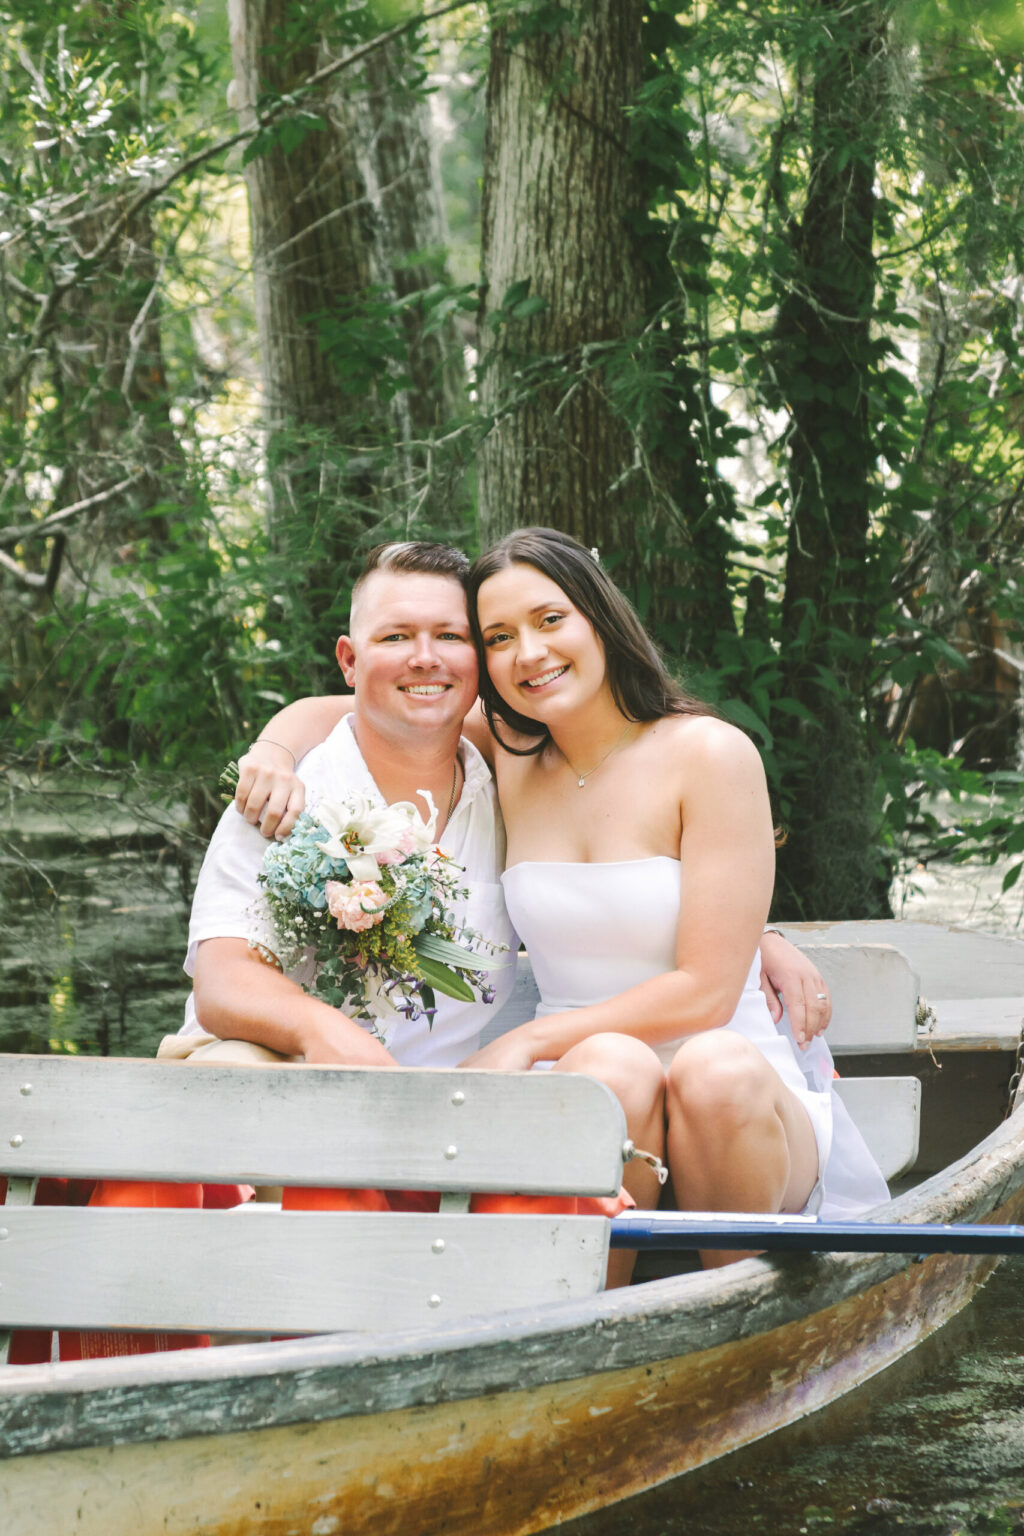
(390, 856)
(347, 903)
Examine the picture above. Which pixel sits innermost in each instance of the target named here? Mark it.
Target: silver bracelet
(267, 741)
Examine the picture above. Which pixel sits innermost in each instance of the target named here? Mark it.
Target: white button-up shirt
(228, 901)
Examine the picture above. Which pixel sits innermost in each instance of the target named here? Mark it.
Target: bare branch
(34, 579)
(57, 520)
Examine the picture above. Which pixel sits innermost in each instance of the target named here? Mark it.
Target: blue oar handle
(780, 1234)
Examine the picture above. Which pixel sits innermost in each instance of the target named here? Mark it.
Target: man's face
(409, 657)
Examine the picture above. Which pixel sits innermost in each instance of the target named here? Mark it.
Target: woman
(639, 873)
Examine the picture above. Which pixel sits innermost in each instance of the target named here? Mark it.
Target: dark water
(95, 890)
(95, 887)
(932, 1447)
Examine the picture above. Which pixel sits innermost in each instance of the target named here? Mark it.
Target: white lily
(359, 830)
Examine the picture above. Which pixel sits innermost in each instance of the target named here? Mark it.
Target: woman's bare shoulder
(707, 742)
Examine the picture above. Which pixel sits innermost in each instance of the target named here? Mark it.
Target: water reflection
(95, 889)
(932, 1447)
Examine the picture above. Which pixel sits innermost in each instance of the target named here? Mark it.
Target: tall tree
(346, 232)
(582, 431)
(825, 360)
(95, 470)
(312, 240)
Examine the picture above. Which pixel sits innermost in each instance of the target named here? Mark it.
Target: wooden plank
(534, 1133)
(950, 962)
(975, 1023)
(887, 1112)
(288, 1271)
(874, 996)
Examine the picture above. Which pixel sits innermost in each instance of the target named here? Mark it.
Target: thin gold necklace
(581, 778)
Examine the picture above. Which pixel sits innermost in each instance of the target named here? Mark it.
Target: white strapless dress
(594, 930)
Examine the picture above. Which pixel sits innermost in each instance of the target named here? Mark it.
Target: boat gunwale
(237, 1388)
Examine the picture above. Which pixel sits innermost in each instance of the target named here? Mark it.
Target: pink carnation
(346, 904)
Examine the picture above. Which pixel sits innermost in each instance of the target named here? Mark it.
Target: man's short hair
(417, 557)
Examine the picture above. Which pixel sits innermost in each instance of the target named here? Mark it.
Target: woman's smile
(545, 677)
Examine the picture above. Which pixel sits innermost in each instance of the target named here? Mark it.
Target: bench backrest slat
(281, 1272)
(950, 961)
(532, 1133)
(887, 1112)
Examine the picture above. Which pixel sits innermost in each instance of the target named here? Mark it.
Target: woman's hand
(269, 788)
(513, 1052)
(787, 973)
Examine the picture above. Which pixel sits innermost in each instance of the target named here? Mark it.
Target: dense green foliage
(823, 392)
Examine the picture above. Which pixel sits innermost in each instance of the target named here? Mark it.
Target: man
(410, 660)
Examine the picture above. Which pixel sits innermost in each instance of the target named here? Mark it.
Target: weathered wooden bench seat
(285, 1271)
(456, 1132)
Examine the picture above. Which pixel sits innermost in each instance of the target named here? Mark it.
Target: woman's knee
(627, 1066)
(720, 1078)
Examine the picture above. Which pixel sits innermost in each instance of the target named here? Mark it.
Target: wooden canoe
(514, 1423)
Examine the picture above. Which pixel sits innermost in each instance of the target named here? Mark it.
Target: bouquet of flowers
(364, 891)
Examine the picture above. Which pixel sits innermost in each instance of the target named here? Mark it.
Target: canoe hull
(506, 1460)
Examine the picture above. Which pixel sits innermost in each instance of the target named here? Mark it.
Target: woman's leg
(738, 1138)
(637, 1078)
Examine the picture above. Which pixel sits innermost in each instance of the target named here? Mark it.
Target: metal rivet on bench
(26, 1089)
(437, 1245)
(449, 1152)
(458, 1097)
(434, 1301)
(16, 1141)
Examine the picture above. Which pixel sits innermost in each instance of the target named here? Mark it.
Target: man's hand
(325, 1045)
(240, 995)
(786, 973)
(268, 787)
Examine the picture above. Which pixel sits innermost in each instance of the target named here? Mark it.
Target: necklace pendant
(579, 782)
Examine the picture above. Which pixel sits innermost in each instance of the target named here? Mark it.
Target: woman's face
(543, 655)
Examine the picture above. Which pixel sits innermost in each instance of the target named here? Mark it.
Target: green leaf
(441, 979)
(742, 715)
(430, 947)
(516, 294)
(1011, 877)
(534, 305)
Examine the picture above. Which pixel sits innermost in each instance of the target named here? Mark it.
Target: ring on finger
(822, 997)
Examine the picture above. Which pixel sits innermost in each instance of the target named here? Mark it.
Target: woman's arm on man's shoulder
(268, 786)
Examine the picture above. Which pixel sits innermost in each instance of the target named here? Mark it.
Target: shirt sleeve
(228, 903)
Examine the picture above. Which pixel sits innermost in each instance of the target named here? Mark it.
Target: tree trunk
(312, 236)
(344, 220)
(830, 866)
(395, 149)
(570, 443)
